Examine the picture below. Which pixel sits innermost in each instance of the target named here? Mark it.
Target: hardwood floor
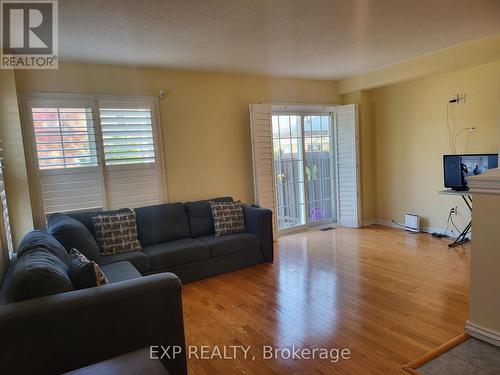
(387, 295)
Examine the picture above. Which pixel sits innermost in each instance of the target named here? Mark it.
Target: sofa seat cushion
(139, 259)
(120, 271)
(174, 253)
(233, 243)
(162, 223)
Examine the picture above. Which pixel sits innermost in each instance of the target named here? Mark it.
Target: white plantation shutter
(127, 135)
(132, 187)
(75, 189)
(131, 154)
(64, 137)
(263, 157)
(347, 165)
(66, 154)
(6, 245)
(94, 152)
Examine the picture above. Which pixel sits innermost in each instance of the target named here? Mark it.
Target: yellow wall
(16, 181)
(207, 133)
(473, 53)
(205, 117)
(411, 137)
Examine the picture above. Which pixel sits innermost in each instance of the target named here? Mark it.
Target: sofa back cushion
(162, 223)
(37, 239)
(200, 217)
(71, 233)
(86, 218)
(38, 273)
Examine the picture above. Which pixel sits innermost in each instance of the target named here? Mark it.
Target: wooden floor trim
(411, 368)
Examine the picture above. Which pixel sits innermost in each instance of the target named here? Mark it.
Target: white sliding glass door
(318, 141)
(289, 170)
(303, 169)
(305, 162)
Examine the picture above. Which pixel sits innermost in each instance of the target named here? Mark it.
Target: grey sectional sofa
(177, 238)
(48, 328)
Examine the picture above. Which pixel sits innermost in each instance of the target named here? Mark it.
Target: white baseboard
(482, 333)
(392, 225)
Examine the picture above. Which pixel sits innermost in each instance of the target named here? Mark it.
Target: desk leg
(462, 237)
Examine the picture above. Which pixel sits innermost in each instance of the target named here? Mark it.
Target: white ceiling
(324, 39)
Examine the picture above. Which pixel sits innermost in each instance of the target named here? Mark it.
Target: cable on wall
(450, 132)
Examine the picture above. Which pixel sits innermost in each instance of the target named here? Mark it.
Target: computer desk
(467, 197)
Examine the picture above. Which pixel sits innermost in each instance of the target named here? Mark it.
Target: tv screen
(458, 167)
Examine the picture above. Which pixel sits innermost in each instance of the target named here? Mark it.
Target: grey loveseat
(57, 329)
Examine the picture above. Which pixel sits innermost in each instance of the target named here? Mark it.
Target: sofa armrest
(62, 332)
(259, 221)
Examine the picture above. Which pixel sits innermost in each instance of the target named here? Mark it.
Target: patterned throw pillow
(228, 217)
(116, 233)
(84, 273)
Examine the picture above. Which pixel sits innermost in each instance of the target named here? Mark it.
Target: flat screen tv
(458, 167)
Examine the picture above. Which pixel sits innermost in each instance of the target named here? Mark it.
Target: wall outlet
(454, 210)
(457, 99)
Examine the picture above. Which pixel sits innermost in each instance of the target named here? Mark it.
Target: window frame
(31, 100)
(6, 240)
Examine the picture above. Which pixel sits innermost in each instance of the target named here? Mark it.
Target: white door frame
(302, 111)
(261, 169)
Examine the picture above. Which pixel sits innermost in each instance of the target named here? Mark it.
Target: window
(93, 153)
(6, 244)
(319, 165)
(127, 135)
(64, 137)
(130, 147)
(303, 165)
(289, 170)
